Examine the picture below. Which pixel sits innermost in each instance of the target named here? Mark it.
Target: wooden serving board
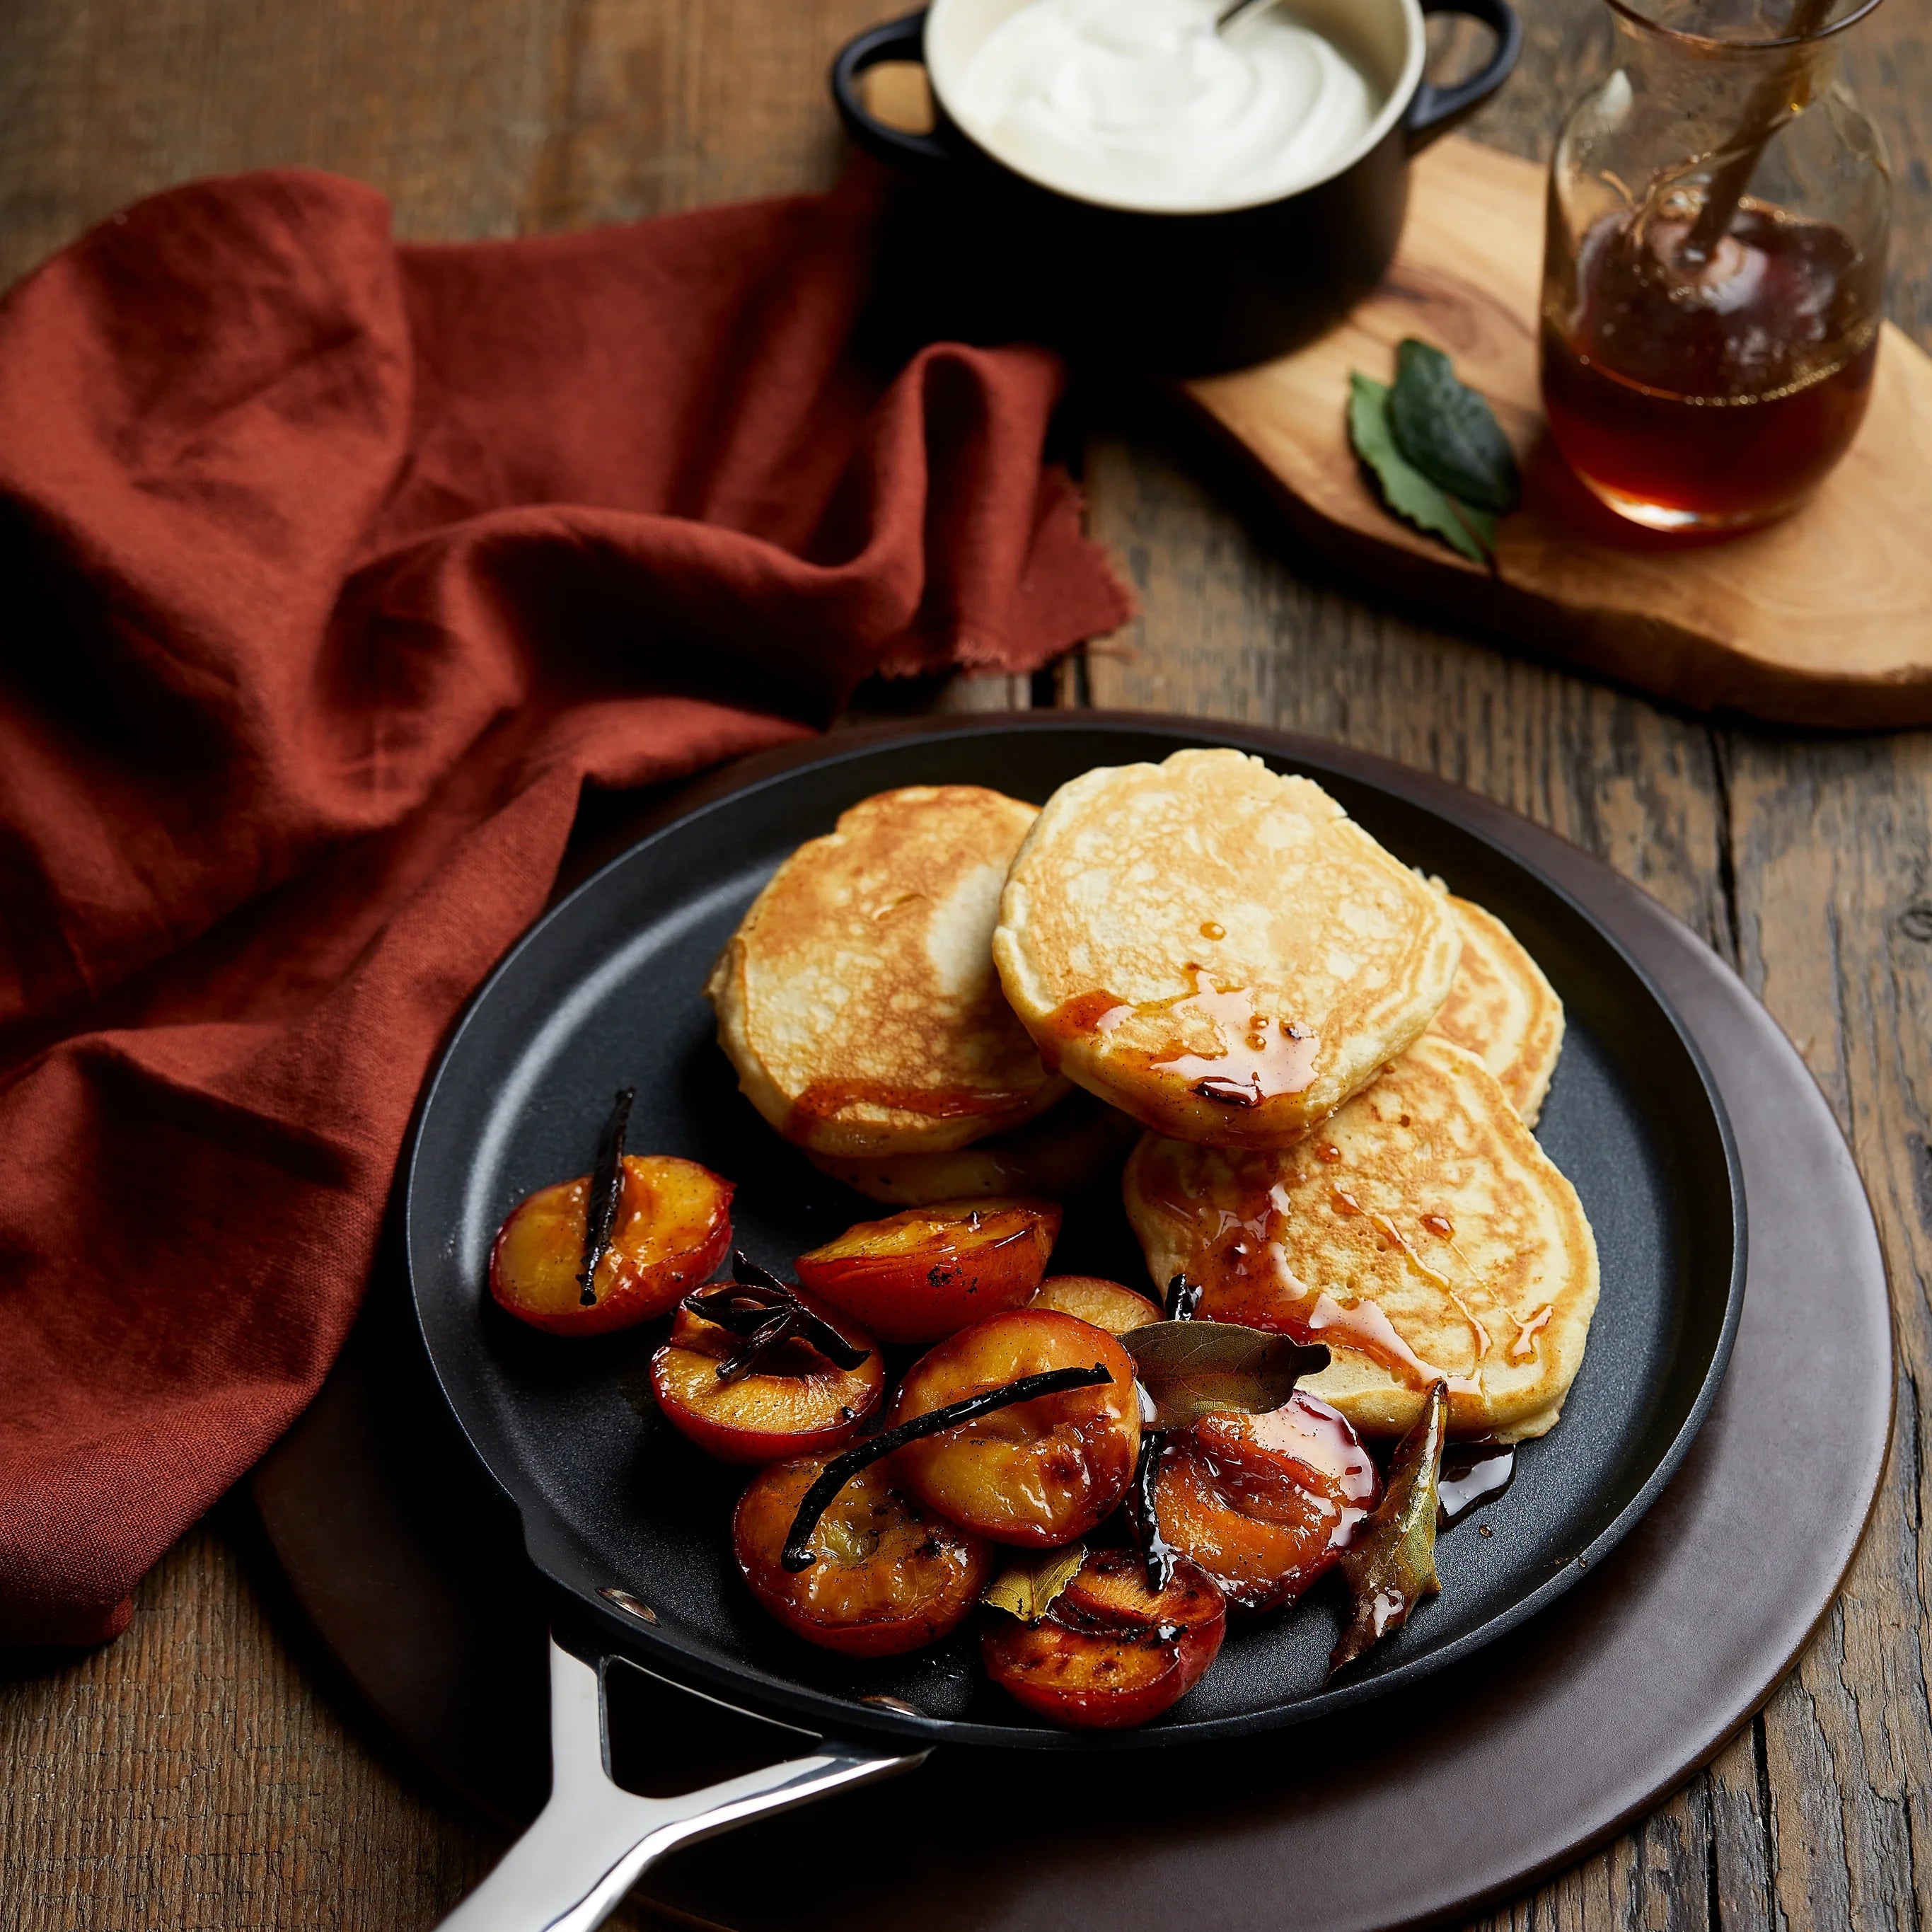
(1825, 618)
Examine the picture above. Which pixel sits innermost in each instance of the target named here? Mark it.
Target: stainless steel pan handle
(592, 1841)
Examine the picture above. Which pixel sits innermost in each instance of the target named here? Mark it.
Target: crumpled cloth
(333, 571)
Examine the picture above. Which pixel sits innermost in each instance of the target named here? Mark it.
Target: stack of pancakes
(1335, 1063)
(858, 1002)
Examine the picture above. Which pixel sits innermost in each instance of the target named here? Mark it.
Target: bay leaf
(1192, 1369)
(1026, 1587)
(1448, 431)
(1405, 489)
(1390, 1566)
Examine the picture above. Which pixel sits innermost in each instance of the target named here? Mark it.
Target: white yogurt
(1141, 104)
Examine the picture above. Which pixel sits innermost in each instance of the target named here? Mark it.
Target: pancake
(1502, 1009)
(857, 999)
(1069, 1146)
(1217, 950)
(1420, 1230)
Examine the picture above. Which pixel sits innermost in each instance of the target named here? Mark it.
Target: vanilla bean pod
(606, 1190)
(848, 1462)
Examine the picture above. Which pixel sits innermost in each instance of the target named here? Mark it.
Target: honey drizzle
(1242, 1269)
(1267, 1060)
(823, 1098)
(1345, 1203)
(1480, 1334)
(1363, 1327)
(1525, 1347)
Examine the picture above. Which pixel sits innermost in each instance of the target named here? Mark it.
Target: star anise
(764, 1314)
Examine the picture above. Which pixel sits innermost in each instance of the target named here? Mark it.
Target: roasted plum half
(1090, 1297)
(931, 1271)
(784, 1401)
(1109, 1652)
(887, 1576)
(1039, 1473)
(672, 1227)
(1265, 1504)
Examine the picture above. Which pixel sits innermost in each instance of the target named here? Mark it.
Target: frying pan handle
(591, 1842)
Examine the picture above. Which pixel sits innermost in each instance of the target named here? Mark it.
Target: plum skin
(673, 1228)
(889, 1575)
(929, 1272)
(1266, 1504)
(1037, 1474)
(1109, 1655)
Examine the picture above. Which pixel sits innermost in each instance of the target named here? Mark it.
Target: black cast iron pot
(988, 252)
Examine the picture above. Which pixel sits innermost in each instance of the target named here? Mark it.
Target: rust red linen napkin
(332, 571)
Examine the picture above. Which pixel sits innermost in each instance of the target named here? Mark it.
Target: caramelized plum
(672, 1227)
(791, 1400)
(887, 1576)
(1265, 1504)
(931, 1271)
(1109, 1652)
(1037, 1474)
(1088, 1298)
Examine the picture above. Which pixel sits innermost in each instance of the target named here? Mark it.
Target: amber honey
(1714, 393)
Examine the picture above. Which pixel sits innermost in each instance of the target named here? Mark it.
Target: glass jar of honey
(1714, 268)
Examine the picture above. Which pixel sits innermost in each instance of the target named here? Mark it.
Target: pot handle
(895, 40)
(1435, 110)
(593, 1841)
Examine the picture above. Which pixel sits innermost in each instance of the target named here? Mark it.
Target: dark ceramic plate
(606, 990)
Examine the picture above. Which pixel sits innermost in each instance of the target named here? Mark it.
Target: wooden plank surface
(208, 1771)
(1824, 616)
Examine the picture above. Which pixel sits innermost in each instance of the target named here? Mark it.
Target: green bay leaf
(1026, 1586)
(1410, 494)
(1390, 1566)
(1448, 431)
(1192, 1369)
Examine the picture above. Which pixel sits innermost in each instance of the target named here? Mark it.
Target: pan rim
(549, 1545)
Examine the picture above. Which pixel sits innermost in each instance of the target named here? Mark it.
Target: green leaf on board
(1448, 431)
(1406, 491)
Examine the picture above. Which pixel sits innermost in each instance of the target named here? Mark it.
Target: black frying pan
(629, 1523)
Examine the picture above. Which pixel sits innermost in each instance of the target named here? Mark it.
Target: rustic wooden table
(207, 1770)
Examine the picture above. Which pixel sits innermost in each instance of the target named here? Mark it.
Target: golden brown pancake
(1069, 1146)
(857, 999)
(1217, 950)
(1502, 1009)
(1420, 1230)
